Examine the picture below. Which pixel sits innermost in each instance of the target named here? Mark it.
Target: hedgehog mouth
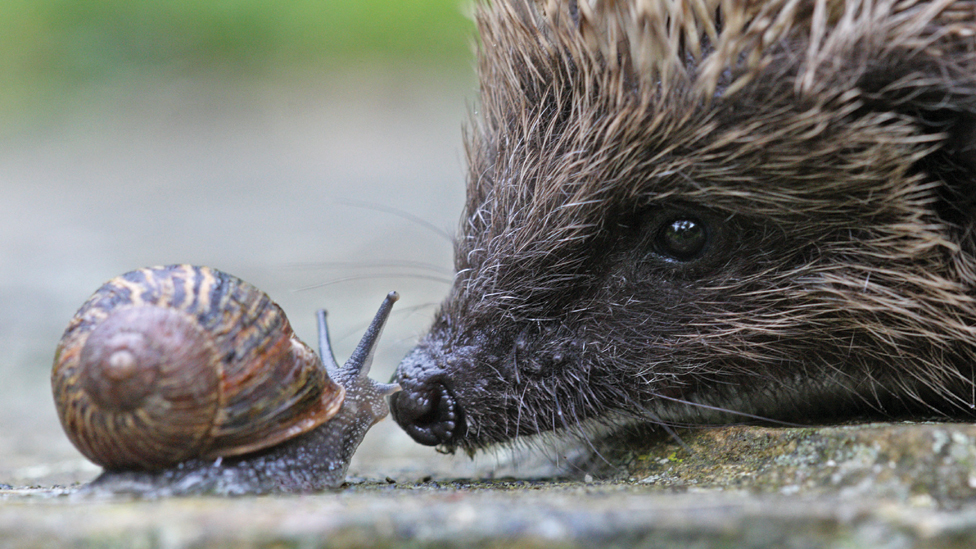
(429, 413)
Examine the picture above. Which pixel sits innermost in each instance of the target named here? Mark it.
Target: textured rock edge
(874, 485)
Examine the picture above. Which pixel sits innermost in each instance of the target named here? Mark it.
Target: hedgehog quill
(704, 211)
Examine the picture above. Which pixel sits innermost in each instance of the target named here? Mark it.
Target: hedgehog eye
(682, 239)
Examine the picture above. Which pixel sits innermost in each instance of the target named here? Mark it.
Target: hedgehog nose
(428, 412)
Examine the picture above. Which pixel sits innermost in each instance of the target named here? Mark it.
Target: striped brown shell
(165, 364)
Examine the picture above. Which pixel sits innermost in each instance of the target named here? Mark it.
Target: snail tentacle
(325, 346)
(361, 359)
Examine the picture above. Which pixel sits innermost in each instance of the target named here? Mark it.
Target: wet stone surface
(918, 463)
(876, 485)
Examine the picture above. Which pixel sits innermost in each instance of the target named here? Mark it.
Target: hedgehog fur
(823, 155)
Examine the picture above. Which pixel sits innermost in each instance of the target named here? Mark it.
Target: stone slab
(496, 514)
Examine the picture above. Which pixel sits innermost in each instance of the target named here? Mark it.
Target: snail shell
(165, 364)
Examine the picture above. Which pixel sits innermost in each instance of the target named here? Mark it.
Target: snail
(185, 379)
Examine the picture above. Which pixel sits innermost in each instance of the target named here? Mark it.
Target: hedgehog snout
(427, 409)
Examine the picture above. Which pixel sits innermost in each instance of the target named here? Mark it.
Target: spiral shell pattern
(166, 364)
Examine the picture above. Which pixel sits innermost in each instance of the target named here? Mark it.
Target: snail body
(185, 373)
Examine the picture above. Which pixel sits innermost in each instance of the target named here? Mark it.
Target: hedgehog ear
(940, 95)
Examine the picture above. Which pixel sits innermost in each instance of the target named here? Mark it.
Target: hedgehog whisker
(345, 265)
(729, 411)
(401, 214)
(374, 276)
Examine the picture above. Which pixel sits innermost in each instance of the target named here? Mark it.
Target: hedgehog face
(691, 226)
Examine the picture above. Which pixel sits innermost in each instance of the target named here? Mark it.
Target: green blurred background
(48, 48)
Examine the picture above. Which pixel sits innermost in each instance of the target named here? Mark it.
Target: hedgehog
(704, 212)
